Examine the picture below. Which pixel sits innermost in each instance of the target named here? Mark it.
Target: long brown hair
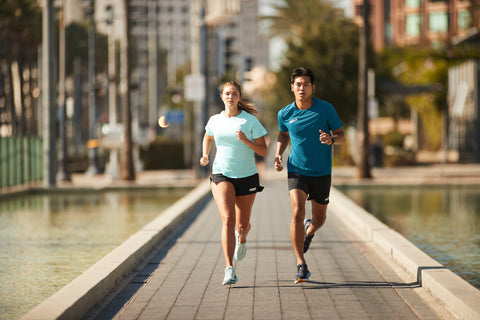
(243, 104)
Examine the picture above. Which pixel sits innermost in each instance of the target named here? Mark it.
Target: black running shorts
(316, 188)
(243, 186)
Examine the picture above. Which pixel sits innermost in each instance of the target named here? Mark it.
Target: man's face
(302, 88)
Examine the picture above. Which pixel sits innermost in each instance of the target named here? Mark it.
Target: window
(438, 22)
(388, 33)
(414, 22)
(464, 19)
(413, 3)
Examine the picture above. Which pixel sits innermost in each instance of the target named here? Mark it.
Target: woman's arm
(259, 145)
(206, 147)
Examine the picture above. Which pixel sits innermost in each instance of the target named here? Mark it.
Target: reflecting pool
(47, 240)
(443, 221)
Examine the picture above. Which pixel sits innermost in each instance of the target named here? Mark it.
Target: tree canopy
(318, 36)
(21, 23)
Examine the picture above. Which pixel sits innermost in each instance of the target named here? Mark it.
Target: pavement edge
(458, 296)
(79, 296)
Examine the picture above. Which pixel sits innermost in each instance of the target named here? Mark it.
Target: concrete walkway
(361, 269)
(349, 279)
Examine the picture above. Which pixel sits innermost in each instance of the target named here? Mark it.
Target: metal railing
(21, 161)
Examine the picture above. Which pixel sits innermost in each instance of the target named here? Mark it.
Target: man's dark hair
(302, 72)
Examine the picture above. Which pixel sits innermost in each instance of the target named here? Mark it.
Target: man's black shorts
(243, 186)
(317, 188)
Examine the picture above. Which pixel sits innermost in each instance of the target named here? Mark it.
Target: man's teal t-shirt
(308, 156)
(234, 159)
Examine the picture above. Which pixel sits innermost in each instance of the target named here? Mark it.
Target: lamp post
(62, 173)
(92, 144)
(112, 168)
(48, 94)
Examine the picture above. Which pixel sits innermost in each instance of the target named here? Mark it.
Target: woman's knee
(243, 228)
(229, 221)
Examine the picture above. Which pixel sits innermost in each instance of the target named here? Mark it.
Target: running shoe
(302, 273)
(308, 239)
(240, 248)
(230, 276)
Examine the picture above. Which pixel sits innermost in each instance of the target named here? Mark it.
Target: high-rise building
(419, 22)
(241, 44)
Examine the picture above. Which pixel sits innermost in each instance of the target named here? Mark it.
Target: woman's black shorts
(317, 188)
(243, 186)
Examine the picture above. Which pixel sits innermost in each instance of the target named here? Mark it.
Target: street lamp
(62, 173)
(92, 144)
(48, 94)
(112, 168)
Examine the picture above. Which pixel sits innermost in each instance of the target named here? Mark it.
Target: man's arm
(338, 136)
(282, 143)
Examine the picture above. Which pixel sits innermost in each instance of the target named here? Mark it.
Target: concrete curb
(79, 296)
(459, 297)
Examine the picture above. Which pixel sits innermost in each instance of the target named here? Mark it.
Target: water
(46, 241)
(443, 221)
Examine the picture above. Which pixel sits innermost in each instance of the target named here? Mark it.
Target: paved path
(349, 281)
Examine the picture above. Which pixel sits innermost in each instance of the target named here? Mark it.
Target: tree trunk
(127, 167)
(363, 135)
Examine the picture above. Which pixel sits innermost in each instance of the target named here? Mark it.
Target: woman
(238, 136)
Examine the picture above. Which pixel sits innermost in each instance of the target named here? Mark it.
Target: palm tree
(295, 19)
(320, 37)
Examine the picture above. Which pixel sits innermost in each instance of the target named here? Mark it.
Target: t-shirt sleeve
(281, 125)
(258, 130)
(334, 121)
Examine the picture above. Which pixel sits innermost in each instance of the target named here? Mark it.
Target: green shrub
(394, 138)
(163, 154)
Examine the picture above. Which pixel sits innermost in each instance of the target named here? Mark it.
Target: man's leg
(319, 216)
(297, 232)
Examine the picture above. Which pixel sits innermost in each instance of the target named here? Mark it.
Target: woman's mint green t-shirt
(234, 159)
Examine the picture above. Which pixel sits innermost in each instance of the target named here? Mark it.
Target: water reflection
(46, 241)
(443, 221)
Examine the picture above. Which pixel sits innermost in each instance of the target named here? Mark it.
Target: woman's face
(230, 96)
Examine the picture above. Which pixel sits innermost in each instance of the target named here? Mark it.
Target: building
(238, 44)
(241, 45)
(419, 22)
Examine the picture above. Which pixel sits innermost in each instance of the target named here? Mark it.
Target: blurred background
(116, 87)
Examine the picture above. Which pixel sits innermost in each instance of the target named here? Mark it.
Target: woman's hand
(204, 161)
(241, 136)
(259, 145)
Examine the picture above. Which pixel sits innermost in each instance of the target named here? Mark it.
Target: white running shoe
(230, 276)
(240, 248)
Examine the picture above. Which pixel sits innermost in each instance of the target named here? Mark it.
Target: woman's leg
(224, 195)
(243, 208)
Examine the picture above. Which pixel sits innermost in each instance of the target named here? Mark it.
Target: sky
(276, 44)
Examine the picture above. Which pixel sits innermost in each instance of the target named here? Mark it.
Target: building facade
(433, 23)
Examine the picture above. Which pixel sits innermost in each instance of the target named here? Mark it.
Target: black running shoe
(308, 239)
(302, 273)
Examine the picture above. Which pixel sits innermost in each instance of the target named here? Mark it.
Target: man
(313, 126)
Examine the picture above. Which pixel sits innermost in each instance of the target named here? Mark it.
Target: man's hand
(278, 163)
(325, 138)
